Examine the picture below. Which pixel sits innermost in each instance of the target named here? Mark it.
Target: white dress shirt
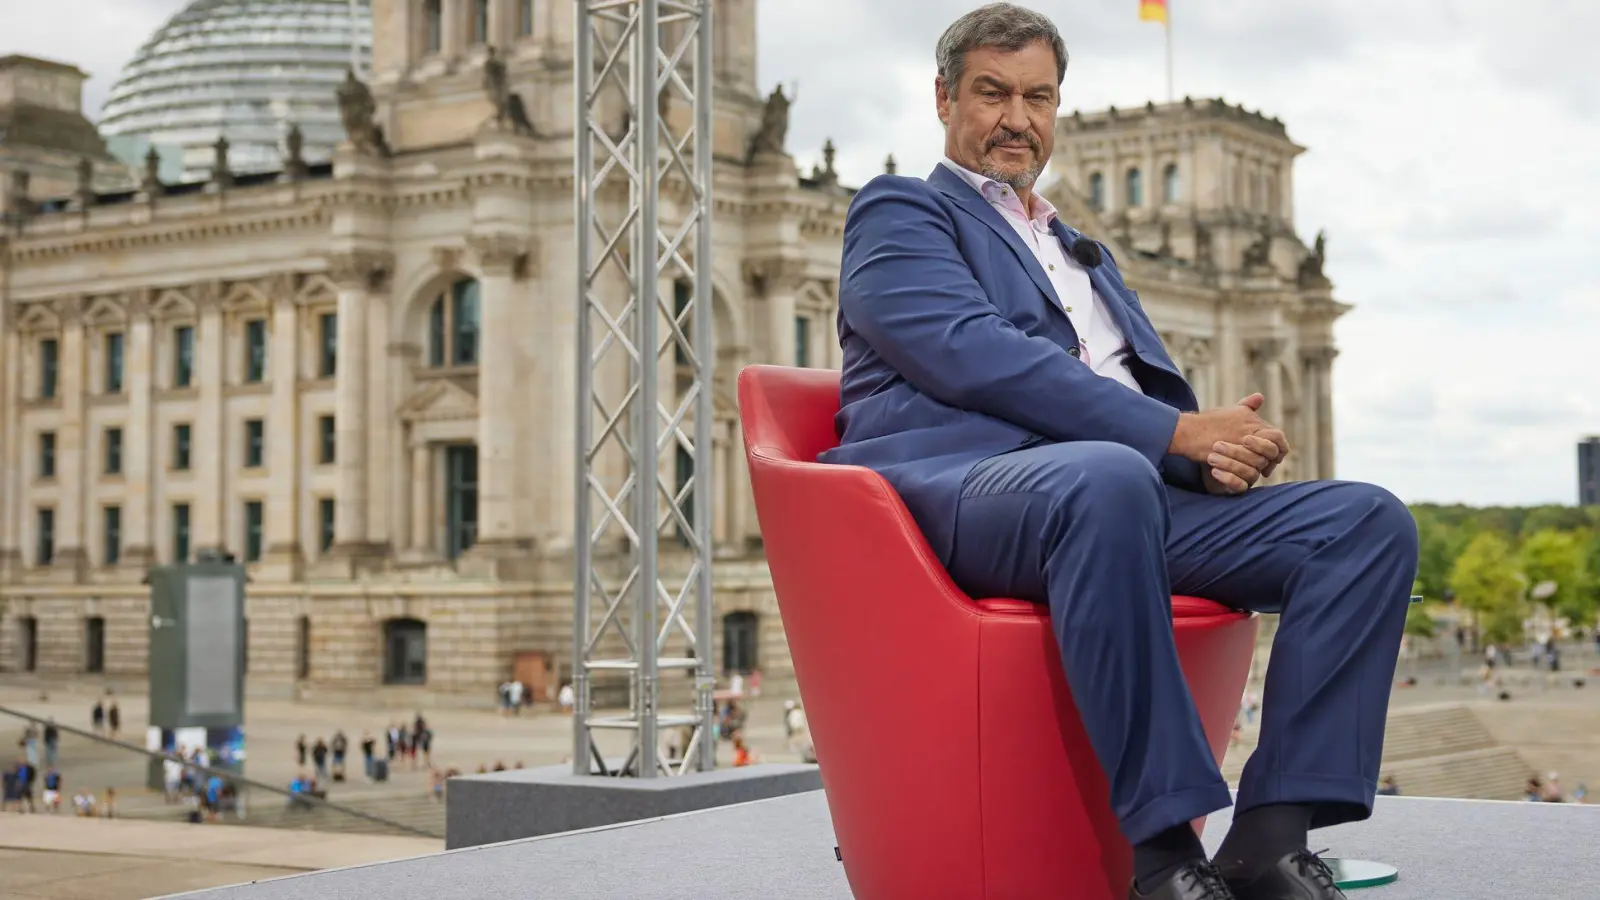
(1101, 344)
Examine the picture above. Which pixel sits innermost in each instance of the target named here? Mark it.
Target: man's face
(1001, 119)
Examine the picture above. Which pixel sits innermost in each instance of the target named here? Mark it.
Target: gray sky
(1452, 161)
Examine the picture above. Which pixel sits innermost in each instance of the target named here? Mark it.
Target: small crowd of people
(36, 767)
(407, 744)
(1548, 790)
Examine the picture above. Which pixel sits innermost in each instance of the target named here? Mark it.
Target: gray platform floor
(783, 848)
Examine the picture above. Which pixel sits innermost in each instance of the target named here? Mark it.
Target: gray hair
(1005, 26)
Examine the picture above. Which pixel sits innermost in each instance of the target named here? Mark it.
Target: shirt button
(1052, 267)
(1069, 309)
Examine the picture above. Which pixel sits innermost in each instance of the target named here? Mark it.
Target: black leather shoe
(1195, 881)
(1301, 875)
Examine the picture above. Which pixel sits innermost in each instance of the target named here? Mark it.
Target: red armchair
(954, 761)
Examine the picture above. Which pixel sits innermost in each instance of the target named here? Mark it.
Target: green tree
(1419, 622)
(1440, 542)
(1555, 557)
(1486, 581)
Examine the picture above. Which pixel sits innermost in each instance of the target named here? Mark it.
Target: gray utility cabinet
(197, 655)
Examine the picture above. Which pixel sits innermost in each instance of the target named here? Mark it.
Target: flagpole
(1172, 96)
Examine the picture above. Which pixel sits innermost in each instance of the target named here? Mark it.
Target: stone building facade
(358, 377)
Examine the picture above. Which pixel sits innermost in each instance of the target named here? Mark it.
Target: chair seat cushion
(1182, 608)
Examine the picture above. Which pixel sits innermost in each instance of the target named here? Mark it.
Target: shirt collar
(1044, 212)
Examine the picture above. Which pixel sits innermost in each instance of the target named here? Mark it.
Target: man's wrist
(1183, 434)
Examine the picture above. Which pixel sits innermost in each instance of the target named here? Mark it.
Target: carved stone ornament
(1264, 350)
(774, 131)
(356, 111)
(501, 254)
(360, 270)
(1310, 274)
(70, 309)
(1259, 254)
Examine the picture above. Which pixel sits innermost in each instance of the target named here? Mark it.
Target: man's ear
(941, 94)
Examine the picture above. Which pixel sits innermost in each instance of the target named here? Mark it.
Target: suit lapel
(974, 204)
(1136, 329)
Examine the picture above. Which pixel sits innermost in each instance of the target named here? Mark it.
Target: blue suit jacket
(956, 349)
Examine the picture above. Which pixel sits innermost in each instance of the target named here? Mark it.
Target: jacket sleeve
(906, 288)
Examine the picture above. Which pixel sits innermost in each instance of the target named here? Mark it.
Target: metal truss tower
(642, 175)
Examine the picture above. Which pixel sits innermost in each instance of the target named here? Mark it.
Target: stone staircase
(412, 809)
(1432, 751)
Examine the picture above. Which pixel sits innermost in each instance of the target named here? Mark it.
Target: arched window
(453, 326)
(1097, 192)
(1169, 184)
(433, 25)
(1135, 188)
(480, 22)
(405, 651)
(740, 642)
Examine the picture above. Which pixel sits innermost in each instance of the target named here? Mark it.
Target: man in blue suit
(1002, 377)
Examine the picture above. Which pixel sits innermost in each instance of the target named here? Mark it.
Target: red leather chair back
(885, 647)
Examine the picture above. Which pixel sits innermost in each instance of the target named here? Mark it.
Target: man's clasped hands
(1234, 446)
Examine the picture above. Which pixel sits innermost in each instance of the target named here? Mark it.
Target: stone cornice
(123, 238)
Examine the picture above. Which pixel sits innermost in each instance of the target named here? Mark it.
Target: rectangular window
(464, 319)
(111, 535)
(327, 440)
(94, 645)
(682, 294)
(255, 351)
(183, 356)
(252, 530)
(802, 342)
(44, 550)
(180, 447)
(113, 451)
(47, 454)
(114, 363)
(49, 367)
(683, 464)
(180, 532)
(328, 345)
(461, 499)
(525, 25)
(480, 23)
(325, 524)
(255, 441)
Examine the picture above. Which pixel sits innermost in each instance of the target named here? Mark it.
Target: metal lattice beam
(642, 172)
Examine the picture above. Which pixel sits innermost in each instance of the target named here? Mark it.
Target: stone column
(212, 447)
(70, 553)
(1319, 403)
(11, 496)
(421, 496)
(359, 275)
(775, 283)
(138, 441)
(1264, 356)
(502, 394)
(382, 503)
(285, 441)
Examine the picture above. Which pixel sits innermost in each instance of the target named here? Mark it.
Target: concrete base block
(524, 803)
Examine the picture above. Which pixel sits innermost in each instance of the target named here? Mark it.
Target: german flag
(1153, 11)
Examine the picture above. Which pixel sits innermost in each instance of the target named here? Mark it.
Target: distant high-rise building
(1589, 472)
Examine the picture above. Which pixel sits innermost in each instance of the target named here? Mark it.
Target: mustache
(1007, 136)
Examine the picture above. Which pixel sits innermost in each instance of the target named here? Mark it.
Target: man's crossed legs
(1090, 529)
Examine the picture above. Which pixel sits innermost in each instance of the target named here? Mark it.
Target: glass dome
(246, 69)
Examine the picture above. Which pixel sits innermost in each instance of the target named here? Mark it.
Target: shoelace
(1313, 867)
(1209, 880)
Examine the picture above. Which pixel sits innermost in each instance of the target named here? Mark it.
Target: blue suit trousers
(1090, 528)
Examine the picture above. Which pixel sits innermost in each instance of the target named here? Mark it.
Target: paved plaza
(50, 858)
